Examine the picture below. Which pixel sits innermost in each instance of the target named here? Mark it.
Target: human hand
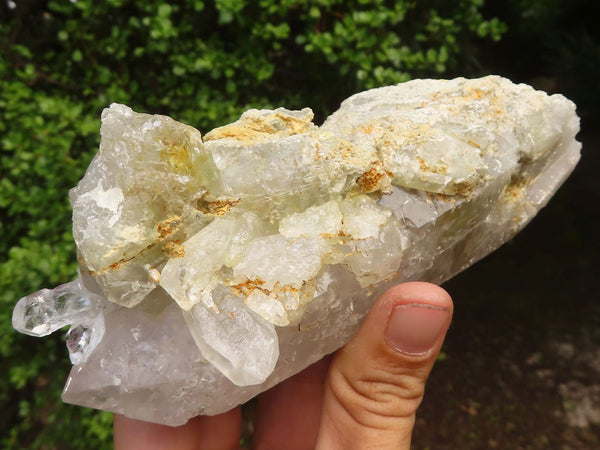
(366, 396)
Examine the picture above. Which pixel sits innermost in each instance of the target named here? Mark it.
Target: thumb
(376, 382)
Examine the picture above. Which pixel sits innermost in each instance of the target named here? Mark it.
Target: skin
(364, 396)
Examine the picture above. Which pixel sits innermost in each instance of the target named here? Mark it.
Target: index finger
(222, 431)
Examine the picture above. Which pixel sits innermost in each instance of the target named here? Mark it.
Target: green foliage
(202, 62)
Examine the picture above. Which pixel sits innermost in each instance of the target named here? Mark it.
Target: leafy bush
(202, 62)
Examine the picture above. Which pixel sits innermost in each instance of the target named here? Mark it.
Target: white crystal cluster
(211, 269)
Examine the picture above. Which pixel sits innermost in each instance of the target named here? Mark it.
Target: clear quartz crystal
(82, 339)
(211, 269)
(48, 310)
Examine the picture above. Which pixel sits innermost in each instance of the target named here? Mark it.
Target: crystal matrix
(212, 269)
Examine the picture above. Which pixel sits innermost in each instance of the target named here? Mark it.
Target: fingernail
(413, 328)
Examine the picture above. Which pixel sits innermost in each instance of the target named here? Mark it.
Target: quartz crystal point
(211, 269)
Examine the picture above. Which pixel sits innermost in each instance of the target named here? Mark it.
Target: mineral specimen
(212, 269)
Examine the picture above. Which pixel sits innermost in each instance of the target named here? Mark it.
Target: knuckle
(377, 398)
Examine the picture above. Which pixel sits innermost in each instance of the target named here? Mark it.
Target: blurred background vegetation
(203, 63)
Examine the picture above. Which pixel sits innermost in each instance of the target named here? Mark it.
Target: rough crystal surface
(211, 269)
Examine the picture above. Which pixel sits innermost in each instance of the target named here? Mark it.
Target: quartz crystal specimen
(211, 269)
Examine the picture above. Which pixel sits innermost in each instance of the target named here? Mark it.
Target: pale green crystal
(219, 267)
